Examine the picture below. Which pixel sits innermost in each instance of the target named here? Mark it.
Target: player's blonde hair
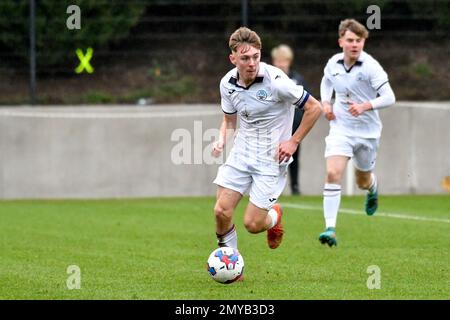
(282, 51)
(244, 35)
(353, 26)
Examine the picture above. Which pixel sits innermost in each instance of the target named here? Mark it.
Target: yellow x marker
(84, 60)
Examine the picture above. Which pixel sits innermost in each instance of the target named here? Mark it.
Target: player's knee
(252, 226)
(333, 176)
(222, 214)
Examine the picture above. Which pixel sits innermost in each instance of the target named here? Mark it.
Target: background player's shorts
(264, 190)
(363, 151)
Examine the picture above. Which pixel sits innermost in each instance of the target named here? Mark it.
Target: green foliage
(102, 23)
(98, 97)
(441, 9)
(423, 69)
(165, 84)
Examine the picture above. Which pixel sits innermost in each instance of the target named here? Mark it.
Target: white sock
(273, 216)
(331, 201)
(229, 239)
(374, 184)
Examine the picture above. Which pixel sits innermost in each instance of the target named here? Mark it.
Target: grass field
(157, 249)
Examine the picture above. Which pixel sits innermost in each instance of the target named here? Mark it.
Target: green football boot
(328, 237)
(371, 203)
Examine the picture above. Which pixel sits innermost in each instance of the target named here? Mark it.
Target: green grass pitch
(157, 249)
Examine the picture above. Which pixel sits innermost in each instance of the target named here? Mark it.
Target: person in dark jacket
(282, 57)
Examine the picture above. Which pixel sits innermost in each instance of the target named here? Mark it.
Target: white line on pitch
(357, 212)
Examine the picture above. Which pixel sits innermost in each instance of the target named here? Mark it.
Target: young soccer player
(361, 88)
(263, 97)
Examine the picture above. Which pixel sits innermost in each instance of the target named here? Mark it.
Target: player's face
(352, 45)
(246, 59)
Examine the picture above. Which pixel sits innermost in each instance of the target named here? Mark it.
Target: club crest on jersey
(261, 94)
(360, 76)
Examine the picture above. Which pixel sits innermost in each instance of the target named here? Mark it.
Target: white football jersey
(358, 84)
(265, 110)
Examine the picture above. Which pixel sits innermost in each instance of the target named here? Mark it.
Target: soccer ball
(225, 265)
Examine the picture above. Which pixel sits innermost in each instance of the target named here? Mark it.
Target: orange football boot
(275, 234)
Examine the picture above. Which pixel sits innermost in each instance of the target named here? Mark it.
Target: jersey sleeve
(385, 99)
(377, 76)
(327, 71)
(326, 89)
(225, 102)
(288, 91)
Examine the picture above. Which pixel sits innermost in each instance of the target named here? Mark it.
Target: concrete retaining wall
(131, 151)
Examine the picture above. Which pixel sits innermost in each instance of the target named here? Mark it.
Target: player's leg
(335, 166)
(232, 184)
(338, 150)
(263, 213)
(256, 219)
(226, 203)
(364, 161)
(367, 180)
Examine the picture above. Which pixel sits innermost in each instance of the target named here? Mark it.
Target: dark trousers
(294, 167)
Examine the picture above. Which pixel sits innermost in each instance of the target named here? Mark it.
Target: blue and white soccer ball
(225, 265)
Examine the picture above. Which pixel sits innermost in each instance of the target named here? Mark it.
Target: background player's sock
(229, 239)
(331, 201)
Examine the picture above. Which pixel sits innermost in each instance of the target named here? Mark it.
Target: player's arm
(228, 125)
(379, 81)
(385, 99)
(227, 129)
(326, 93)
(313, 110)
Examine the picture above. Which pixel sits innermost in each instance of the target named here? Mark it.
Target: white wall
(128, 151)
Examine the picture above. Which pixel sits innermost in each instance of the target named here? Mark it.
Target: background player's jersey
(358, 84)
(265, 110)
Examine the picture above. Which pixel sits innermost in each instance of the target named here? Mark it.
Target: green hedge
(102, 23)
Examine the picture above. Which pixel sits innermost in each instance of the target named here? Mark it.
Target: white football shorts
(363, 151)
(264, 190)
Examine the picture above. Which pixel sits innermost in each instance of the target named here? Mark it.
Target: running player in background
(263, 97)
(361, 88)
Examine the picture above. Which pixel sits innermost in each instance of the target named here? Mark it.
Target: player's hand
(358, 108)
(328, 111)
(285, 150)
(217, 148)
